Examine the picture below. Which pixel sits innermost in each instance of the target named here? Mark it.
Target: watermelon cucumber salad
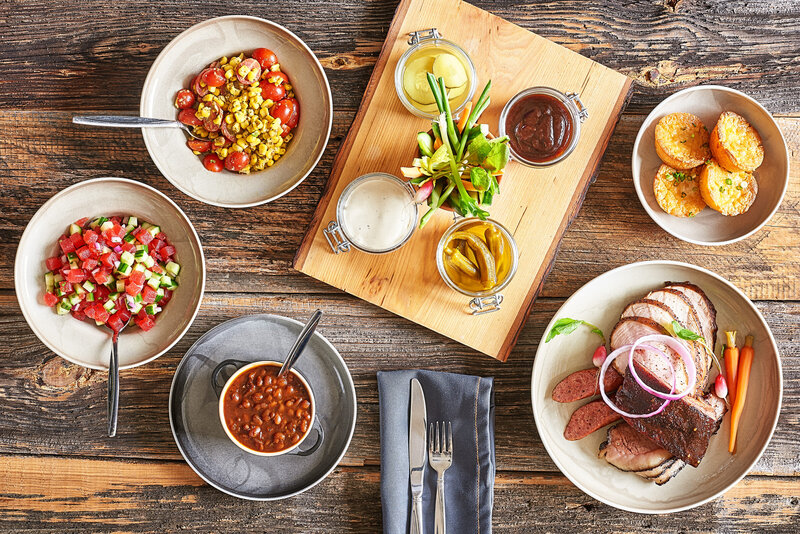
(112, 269)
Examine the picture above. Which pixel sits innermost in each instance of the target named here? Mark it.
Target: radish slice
(610, 359)
(682, 351)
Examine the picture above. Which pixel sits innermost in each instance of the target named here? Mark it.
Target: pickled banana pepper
(477, 257)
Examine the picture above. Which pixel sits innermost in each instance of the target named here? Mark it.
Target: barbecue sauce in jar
(539, 127)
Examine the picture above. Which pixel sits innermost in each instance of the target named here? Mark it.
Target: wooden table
(59, 471)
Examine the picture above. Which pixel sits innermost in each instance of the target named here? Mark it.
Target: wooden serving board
(536, 205)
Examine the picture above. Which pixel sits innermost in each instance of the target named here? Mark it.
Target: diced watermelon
(90, 237)
(108, 259)
(117, 219)
(115, 322)
(162, 236)
(53, 264)
(145, 323)
(84, 253)
(65, 287)
(133, 289)
(143, 236)
(156, 245)
(148, 295)
(66, 245)
(77, 240)
(101, 314)
(101, 275)
(76, 276)
(123, 314)
(136, 277)
(89, 264)
(82, 222)
(166, 298)
(78, 313)
(101, 293)
(51, 300)
(167, 252)
(128, 247)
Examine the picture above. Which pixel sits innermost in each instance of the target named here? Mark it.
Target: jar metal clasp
(483, 305)
(423, 35)
(335, 238)
(583, 111)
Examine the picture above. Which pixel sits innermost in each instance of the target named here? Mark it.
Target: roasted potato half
(735, 144)
(678, 192)
(682, 141)
(730, 193)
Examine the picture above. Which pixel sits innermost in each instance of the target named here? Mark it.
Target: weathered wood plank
(664, 46)
(68, 402)
(254, 252)
(103, 495)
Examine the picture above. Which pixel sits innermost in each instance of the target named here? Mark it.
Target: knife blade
(417, 459)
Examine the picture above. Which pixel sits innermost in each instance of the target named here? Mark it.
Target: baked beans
(266, 413)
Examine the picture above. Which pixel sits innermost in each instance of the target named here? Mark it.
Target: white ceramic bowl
(710, 227)
(600, 302)
(84, 343)
(192, 51)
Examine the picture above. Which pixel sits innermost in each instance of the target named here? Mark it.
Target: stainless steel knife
(417, 459)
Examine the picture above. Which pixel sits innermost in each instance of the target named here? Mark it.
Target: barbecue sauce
(539, 128)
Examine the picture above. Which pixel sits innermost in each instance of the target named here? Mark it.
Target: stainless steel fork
(440, 456)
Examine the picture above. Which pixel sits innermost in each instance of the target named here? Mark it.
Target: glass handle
(482, 305)
(335, 238)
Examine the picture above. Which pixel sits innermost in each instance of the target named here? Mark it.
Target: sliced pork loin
(628, 450)
(684, 427)
(627, 331)
(705, 309)
(660, 312)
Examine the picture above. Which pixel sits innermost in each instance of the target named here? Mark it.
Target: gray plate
(194, 412)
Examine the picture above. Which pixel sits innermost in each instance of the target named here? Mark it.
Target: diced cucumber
(90, 297)
(74, 299)
(109, 305)
(73, 265)
(58, 291)
(49, 281)
(149, 261)
(72, 257)
(88, 286)
(172, 268)
(159, 294)
(139, 267)
(120, 285)
(79, 290)
(166, 281)
(98, 323)
(124, 269)
(114, 295)
(172, 285)
(138, 298)
(107, 225)
(57, 278)
(136, 308)
(154, 281)
(129, 238)
(151, 309)
(133, 221)
(63, 307)
(154, 230)
(74, 229)
(148, 274)
(425, 142)
(126, 257)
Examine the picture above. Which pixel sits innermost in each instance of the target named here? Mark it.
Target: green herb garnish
(566, 326)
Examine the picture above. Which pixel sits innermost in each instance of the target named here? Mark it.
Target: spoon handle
(124, 121)
(113, 391)
(302, 340)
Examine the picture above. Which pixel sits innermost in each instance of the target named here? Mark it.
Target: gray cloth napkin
(466, 401)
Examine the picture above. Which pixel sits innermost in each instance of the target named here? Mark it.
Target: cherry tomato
(186, 116)
(199, 146)
(265, 57)
(212, 163)
(236, 161)
(198, 88)
(273, 92)
(288, 111)
(184, 99)
(213, 77)
(248, 71)
(226, 132)
(276, 77)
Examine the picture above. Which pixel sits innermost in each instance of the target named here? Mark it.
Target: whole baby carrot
(731, 356)
(743, 376)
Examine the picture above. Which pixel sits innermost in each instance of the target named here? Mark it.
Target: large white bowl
(84, 343)
(192, 51)
(710, 227)
(600, 302)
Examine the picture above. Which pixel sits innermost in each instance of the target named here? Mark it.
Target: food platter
(535, 204)
(600, 302)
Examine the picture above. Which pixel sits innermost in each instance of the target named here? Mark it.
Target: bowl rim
(770, 338)
(636, 181)
(149, 80)
(209, 333)
(45, 207)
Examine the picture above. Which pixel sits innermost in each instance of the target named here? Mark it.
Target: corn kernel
(223, 60)
(236, 128)
(229, 118)
(262, 150)
(222, 153)
(219, 141)
(270, 163)
(208, 98)
(275, 67)
(241, 142)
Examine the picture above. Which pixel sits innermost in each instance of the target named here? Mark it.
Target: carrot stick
(745, 361)
(462, 120)
(731, 355)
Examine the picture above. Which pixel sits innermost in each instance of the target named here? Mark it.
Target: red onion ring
(613, 356)
(682, 351)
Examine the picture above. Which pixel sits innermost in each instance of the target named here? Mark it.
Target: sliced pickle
(494, 240)
(415, 80)
(448, 66)
(456, 92)
(486, 264)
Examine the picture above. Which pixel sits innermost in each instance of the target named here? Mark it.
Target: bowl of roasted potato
(710, 165)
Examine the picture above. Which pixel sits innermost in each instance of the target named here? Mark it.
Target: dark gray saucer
(194, 409)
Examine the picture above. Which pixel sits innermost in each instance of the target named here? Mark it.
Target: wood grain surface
(535, 205)
(59, 471)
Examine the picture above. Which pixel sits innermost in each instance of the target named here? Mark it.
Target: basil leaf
(685, 333)
(565, 326)
(480, 178)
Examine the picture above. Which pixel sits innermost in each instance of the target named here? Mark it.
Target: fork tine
(430, 440)
(449, 438)
(438, 442)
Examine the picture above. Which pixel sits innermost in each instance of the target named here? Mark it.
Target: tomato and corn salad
(111, 270)
(245, 109)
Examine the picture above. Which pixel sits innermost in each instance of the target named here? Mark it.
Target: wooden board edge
(344, 150)
(590, 175)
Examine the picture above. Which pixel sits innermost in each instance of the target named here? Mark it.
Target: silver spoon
(113, 382)
(127, 121)
(302, 341)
